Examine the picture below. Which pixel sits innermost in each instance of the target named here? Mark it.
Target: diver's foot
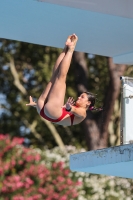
(71, 42)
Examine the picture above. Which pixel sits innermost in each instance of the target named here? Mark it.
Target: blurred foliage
(23, 175)
(34, 65)
(34, 174)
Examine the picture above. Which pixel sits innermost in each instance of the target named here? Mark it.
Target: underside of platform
(113, 161)
(104, 27)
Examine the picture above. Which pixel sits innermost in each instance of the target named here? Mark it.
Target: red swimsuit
(64, 113)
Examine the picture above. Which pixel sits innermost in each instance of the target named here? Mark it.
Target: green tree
(101, 76)
(25, 69)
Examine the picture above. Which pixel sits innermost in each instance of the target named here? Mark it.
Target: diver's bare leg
(58, 89)
(44, 94)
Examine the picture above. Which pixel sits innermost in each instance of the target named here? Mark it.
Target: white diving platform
(113, 161)
(104, 27)
(117, 160)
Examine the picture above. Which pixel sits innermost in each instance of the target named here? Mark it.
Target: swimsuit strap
(72, 118)
(65, 112)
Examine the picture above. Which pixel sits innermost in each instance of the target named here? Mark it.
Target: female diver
(50, 103)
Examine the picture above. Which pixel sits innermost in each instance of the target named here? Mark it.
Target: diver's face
(83, 100)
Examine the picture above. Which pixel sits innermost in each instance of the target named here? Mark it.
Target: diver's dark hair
(92, 99)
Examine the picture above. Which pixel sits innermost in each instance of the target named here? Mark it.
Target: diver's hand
(32, 103)
(70, 102)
